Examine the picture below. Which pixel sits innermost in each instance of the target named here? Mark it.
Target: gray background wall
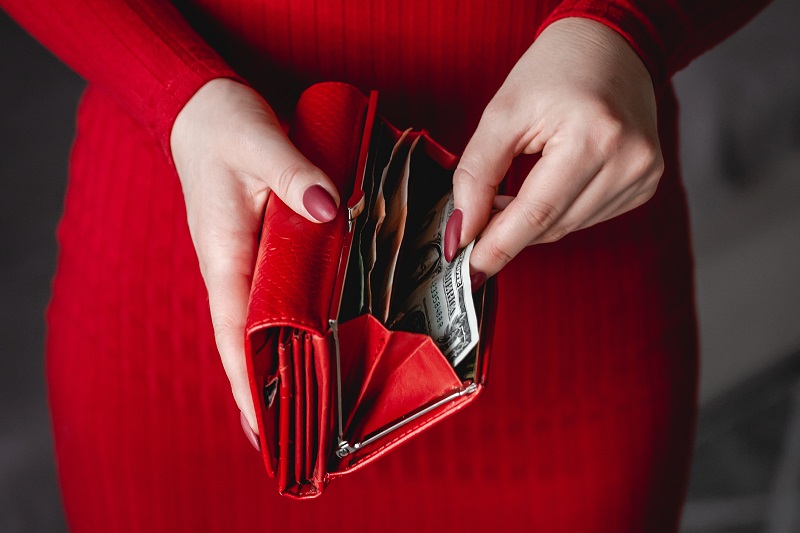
(741, 151)
(740, 128)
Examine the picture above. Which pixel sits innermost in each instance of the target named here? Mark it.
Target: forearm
(667, 35)
(141, 52)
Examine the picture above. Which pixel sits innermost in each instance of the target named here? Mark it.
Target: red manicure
(478, 279)
(319, 203)
(452, 234)
(248, 432)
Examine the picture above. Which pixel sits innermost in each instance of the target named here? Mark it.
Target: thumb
(298, 182)
(480, 170)
(226, 244)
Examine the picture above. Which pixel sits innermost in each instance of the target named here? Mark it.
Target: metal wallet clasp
(344, 448)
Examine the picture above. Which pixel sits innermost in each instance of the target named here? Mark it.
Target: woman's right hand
(230, 153)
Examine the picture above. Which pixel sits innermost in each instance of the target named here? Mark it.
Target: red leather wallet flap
(298, 260)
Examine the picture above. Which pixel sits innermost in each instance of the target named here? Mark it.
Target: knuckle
(465, 177)
(287, 178)
(501, 116)
(497, 255)
(538, 216)
(224, 326)
(499, 108)
(555, 234)
(464, 174)
(646, 159)
(608, 133)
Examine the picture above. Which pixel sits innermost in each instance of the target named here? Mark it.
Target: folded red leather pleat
(331, 397)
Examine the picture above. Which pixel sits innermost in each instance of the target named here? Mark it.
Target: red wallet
(334, 389)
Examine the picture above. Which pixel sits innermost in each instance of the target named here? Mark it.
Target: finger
(227, 250)
(611, 193)
(298, 182)
(551, 186)
(621, 204)
(595, 197)
(227, 297)
(630, 198)
(480, 170)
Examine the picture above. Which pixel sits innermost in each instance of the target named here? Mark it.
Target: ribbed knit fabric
(587, 421)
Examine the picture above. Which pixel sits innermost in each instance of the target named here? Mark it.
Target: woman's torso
(587, 416)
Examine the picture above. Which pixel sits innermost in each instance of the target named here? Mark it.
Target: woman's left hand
(582, 97)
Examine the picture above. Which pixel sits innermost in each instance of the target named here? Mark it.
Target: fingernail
(319, 203)
(478, 279)
(248, 432)
(452, 235)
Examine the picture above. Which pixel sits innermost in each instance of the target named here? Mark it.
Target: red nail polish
(319, 203)
(452, 234)
(248, 432)
(478, 279)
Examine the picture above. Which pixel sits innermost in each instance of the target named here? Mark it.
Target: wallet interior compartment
(429, 182)
(388, 375)
(286, 435)
(311, 408)
(299, 405)
(353, 297)
(305, 399)
(263, 348)
(430, 177)
(326, 406)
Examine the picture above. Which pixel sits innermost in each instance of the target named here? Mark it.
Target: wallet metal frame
(344, 448)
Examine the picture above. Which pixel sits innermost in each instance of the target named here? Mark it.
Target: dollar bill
(441, 305)
(377, 214)
(390, 237)
(423, 256)
(354, 297)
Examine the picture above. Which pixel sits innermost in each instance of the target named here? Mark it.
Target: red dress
(588, 419)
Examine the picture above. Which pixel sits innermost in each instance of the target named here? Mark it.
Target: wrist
(598, 47)
(626, 25)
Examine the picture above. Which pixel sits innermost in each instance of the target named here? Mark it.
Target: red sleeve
(141, 52)
(666, 34)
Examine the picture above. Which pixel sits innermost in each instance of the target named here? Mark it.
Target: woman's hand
(582, 97)
(230, 152)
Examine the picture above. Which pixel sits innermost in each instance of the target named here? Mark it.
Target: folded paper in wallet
(334, 388)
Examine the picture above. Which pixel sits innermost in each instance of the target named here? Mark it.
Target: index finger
(480, 170)
(549, 189)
